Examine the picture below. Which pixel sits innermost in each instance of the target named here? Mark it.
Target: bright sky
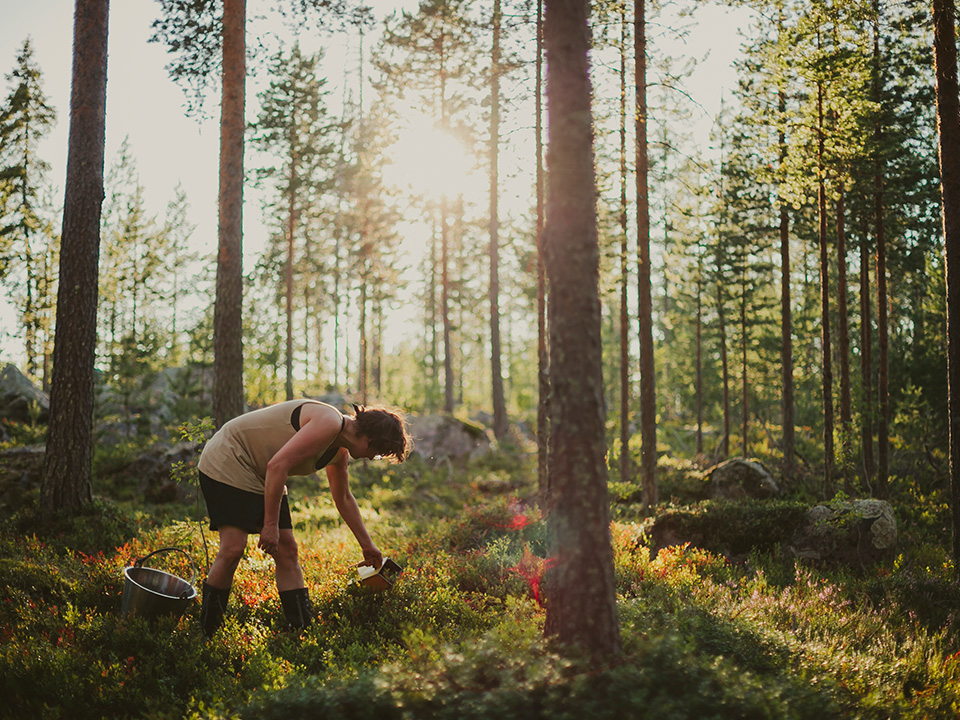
(144, 105)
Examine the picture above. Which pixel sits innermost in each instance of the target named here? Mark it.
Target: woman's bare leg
(233, 543)
(289, 573)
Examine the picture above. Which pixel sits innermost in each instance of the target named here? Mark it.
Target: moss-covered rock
(848, 533)
(740, 478)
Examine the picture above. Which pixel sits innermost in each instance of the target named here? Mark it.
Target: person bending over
(243, 473)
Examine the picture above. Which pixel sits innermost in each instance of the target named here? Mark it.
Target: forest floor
(460, 634)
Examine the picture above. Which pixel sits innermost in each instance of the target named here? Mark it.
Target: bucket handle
(193, 567)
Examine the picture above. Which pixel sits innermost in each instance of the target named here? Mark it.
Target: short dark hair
(386, 429)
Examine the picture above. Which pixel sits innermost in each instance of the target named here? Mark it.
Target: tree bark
(866, 367)
(725, 373)
(883, 440)
(581, 587)
(362, 359)
(827, 376)
(288, 271)
(699, 355)
(500, 423)
(543, 357)
(948, 130)
(448, 382)
(648, 399)
(228, 399)
(786, 322)
(744, 385)
(846, 416)
(67, 481)
(624, 271)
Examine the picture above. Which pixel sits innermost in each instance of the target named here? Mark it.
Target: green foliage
(737, 527)
(194, 431)
(460, 635)
(100, 527)
(19, 434)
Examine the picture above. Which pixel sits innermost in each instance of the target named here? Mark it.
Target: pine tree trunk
(948, 129)
(30, 315)
(500, 424)
(362, 371)
(365, 273)
(228, 397)
(824, 305)
(786, 322)
(288, 276)
(744, 397)
(543, 357)
(581, 587)
(846, 415)
(433, 381)
(67, 482)
(648, 400)
(624, 273)
(448, 383)
(376, 355)
(866, 367)
(725, 373)
(883, 441)
(699, 359)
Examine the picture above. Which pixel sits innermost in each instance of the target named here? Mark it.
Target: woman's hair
(386, 430)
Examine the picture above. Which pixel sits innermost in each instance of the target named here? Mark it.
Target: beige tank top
(238, 453)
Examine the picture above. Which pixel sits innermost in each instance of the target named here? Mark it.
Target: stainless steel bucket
(151, 593)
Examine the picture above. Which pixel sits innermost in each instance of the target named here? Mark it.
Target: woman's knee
(287, 548)
(232, 547)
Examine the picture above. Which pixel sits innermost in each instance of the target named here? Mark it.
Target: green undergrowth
(460, 635)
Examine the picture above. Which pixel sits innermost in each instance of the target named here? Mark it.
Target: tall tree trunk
(448, 382)
(433, 381)
(228, 399)
(376, 355)
(786, 322)
(363, 328)
(365, 273)
(824, 304)
(543, 357)
(624, 273)
(500, 425)
(699, 354)
(883, 441)
(67, 482)
(846, 415)
(648, 399)
(866, 366)
(288, 276)
(948, 130)
(725, 373)
(581, 597)
(744, 386)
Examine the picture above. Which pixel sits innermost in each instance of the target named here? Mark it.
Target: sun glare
(432, 162)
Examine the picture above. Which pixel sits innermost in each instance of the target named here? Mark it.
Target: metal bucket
(151, 593)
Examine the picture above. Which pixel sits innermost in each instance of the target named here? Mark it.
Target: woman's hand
(269, 539)
(372, 557)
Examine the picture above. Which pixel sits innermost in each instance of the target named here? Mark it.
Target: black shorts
(231, 506)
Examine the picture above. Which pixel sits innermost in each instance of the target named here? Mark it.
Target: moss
(733, 527)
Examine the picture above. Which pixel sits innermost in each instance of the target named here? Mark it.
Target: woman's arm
(347, 506)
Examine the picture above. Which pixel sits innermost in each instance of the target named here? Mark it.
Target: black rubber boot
(212, 608)
(296, 607)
